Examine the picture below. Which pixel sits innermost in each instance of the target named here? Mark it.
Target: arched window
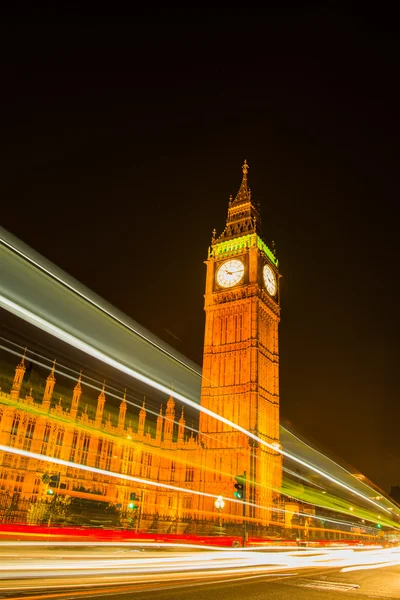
(30, 428)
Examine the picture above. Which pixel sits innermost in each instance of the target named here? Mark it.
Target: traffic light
(133, 499)
(240, 487)
(54, 482)
(378, 525)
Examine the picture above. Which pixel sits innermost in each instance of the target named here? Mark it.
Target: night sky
(123, 137)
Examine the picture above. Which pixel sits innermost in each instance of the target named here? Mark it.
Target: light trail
(122, 476)
(18, 288)
(67, 463)
(85, 347)
(29, 571)
(85, 297)
(287, 491)
(97, 385)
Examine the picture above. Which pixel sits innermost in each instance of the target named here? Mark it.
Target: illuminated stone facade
(38, 426)
(241, 359)
(240, 383)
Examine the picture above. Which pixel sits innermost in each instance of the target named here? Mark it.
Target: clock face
(269, 280)
(230, 273)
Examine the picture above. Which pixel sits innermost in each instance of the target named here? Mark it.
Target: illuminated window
(189, 475)
(73, 446)
(99, 453)
(85, 449)
(30, 428)
(59, 442)
(46, 437)
(14, 429)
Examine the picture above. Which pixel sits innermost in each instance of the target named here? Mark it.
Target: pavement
(383, 583)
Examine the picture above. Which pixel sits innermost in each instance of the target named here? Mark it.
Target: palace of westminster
(240, 382)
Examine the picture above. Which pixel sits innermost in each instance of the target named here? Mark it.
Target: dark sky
(122, 138)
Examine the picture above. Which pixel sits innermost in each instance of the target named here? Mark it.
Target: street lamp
(219, 505)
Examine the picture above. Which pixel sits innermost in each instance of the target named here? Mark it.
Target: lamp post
(219, 505)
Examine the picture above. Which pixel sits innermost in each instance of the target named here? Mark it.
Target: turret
(48, 392)
(101, 400)
(18, 377)
(181, 428)
(122, 414)
(76, 397)
(142, 419)
(159, 425)
(169, 420)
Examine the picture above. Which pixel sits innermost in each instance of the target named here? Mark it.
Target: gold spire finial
(22, 363)
(245, 169)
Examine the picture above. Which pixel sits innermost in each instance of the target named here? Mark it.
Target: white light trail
(85, 347)
(96, 305)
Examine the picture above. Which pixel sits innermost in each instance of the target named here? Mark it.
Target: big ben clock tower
(241, 360)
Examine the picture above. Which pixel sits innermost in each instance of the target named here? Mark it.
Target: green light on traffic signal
(239, 492)
(132, 501)
(50, 492)
(378, 525)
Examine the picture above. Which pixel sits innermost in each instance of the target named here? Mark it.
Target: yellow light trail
(85, 347)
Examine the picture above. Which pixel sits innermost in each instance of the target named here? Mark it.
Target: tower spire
(18, 377)
(101, 400)
(243, 214)
(142, 418)
(244, 191)
(76, 397)
(48, 392)
(122, 414)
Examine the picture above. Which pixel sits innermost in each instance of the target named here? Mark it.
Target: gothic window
(224, 330)
(189, 475)
(222, 371)
(30, 428)
(237, 368)
(98, 453)
(14, 428)
(187, 505)
(46, 437)
(36, 486)
(19, 480)
(73, 446)
(109, 453)
(231, 328)
(129, 467)
(240, 327)
(85, 449)
(59, 442)
(173, 466)
(3, 477)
